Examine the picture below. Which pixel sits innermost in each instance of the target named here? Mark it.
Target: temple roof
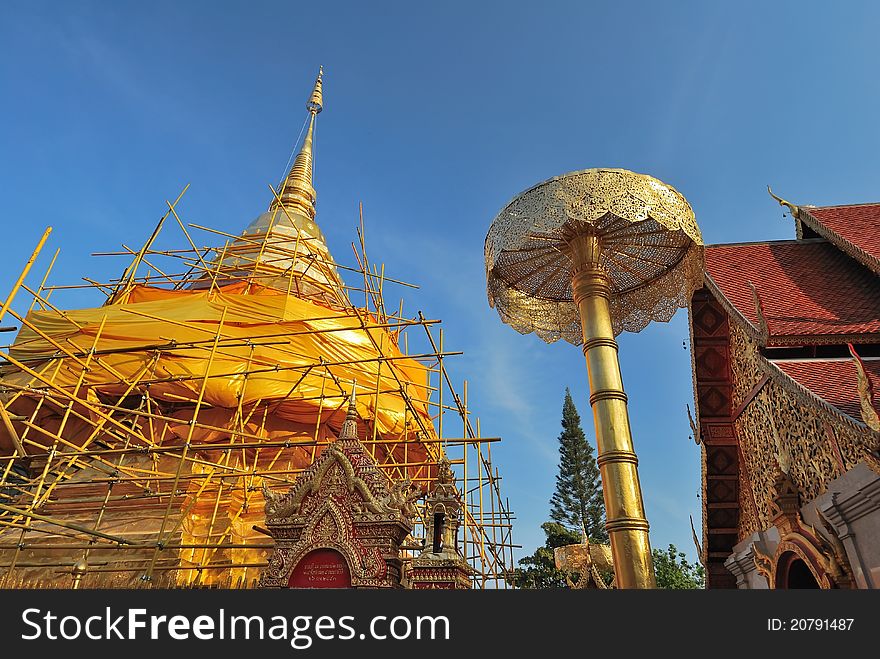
(810, 291)
(854, 229)
(833, 380)
(821, 289)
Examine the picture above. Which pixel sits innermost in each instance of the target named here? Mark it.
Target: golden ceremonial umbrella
(583, 257)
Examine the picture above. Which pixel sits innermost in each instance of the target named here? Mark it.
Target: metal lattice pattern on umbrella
(651, 248)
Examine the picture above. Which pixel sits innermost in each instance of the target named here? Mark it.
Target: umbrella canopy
(651, 248)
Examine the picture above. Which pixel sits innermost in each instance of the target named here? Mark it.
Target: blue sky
(435, 116)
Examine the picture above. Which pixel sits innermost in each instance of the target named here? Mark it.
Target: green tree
(577, 502)
(539, 569)
(672, 570)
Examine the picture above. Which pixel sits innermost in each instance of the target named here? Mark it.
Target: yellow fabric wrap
(267, 342)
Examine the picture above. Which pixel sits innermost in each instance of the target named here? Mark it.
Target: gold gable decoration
(342, 503)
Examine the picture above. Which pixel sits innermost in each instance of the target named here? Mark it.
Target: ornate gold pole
(625, 513)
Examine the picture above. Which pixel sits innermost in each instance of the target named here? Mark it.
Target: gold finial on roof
(697, 544)
(698, 436)
(763, 327)
(349, 426)
(297, 192)
(866, 392)
(795, 210)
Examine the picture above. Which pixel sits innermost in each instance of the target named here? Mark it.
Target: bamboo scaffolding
(128, 461)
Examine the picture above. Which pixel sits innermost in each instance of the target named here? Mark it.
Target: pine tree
(578, 499)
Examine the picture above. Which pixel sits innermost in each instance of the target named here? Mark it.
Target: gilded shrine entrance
(342, 523)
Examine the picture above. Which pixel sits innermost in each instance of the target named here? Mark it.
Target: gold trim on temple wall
(786, 420)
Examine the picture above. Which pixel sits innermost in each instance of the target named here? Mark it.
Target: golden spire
(349, 426)
(297, 193)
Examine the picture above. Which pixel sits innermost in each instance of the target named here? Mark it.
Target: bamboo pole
(24, 272)
(43, 281)
(13, 434)
(129, 273)
(148, 575)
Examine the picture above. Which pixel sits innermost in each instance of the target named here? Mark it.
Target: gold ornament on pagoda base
(582, 257)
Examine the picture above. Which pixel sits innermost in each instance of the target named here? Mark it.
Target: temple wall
(777, 424)
(851, 504)
(825, 459)
(742, 561)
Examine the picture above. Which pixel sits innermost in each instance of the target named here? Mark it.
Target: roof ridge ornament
(794, 210)
(866, 392)
(763, 327)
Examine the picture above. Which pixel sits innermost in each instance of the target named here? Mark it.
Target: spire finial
(316, 100)
(297, 192)
(352, 408)
(349, 426)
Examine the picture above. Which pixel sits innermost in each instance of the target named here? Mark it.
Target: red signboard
(321, 568)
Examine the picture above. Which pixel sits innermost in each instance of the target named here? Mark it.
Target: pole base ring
(616, 457)
(627, 524)
(607, 394)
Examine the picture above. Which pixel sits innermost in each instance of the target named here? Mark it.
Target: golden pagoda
(141, 438)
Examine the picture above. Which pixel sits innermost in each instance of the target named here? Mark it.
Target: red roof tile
(834, 381)
(808, 288)
(855, 229)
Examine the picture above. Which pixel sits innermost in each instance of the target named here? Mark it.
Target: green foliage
(578, 498)
(539, 569)
(672, 570)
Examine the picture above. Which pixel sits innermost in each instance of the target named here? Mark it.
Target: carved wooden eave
(719, 452)
(832, 414)
(698, 434)
(778, 376)
(796, 340)
(690, 311)
(803, 394)
(752, 331)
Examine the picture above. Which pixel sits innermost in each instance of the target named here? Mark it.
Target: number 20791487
(809, 624)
